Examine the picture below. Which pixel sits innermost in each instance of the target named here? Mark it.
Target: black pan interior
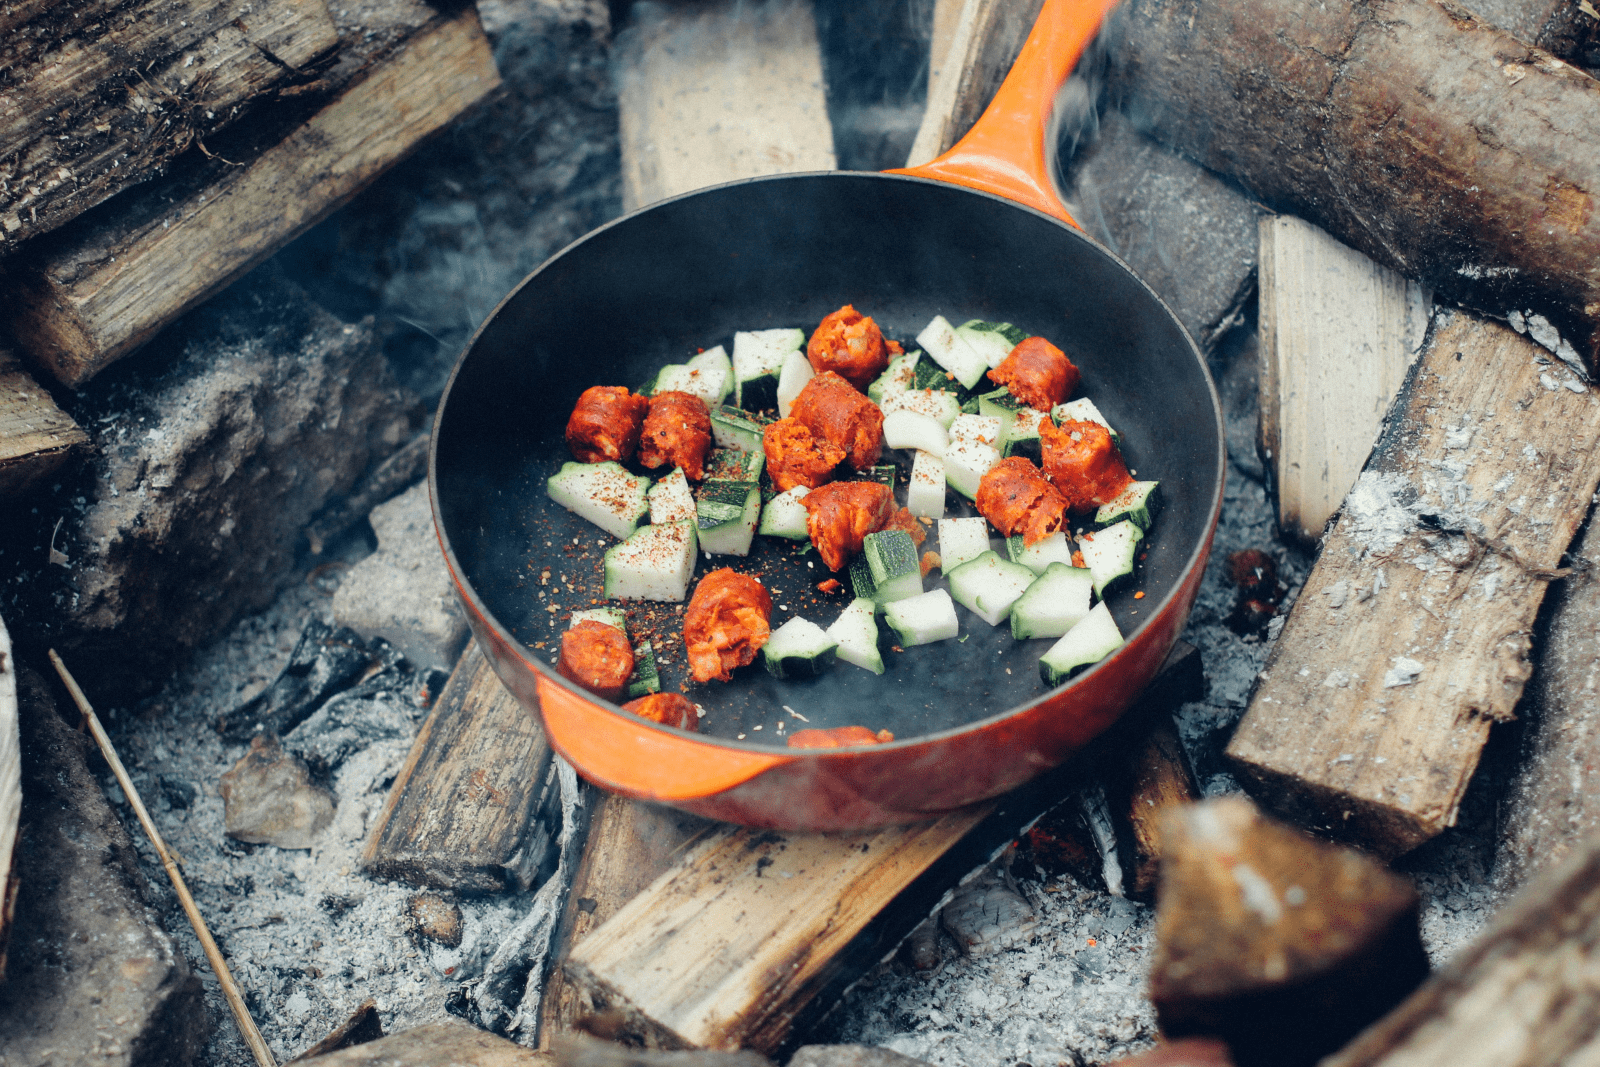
(655, 287)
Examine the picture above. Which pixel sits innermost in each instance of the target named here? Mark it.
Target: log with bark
(442, 1044)
(102, 95)
(1411, 636)
(95, 290)
(1411, 130)
(1523, 995)
(36, 436)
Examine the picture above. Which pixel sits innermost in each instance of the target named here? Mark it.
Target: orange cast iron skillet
(978, 233)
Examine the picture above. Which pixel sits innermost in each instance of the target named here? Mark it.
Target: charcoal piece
(180, 793)
(350, 723)
(385, 481)
(324, 661)
(364, 1025)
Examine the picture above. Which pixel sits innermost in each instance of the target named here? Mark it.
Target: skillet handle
(640, 760)
(1005, 152)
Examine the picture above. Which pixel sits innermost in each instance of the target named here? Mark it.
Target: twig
(230, 990)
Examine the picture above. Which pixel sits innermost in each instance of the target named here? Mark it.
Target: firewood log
(1411, 130)
(36, 436)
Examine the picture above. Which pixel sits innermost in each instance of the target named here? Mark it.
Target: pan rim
(1195, 560)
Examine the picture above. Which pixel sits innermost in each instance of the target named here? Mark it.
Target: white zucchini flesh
(908, 429)
(1080, 410)
(856, 631)
(605, 616)
(1110, 553)
(1090, 641)
(961, 540)
(656, 563)
(896, 378)
(1038, 556)
(1056, 602)
(731, 537)
(603, 493)
(988, 586)
(798, 649)
(1137, 503)
(925, 492)
(708, 376)
(758, 356)
(990, 344)
(671, 499)
(793, 378)
(978, 429)
(785, 515)
(938, 404)
(940, 340)
(965, 464)
(923, 619)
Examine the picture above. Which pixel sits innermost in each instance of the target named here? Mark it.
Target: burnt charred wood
(1521, 995)
(1443, 148)
(325, 661)
(1283, 946)
(1561, 27)
(36, 436)
(364, 1025)
(1155, 780)
(441, 1044)
(400, 471)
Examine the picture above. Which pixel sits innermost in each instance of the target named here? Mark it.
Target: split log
(464, 811)
(443, 1044)
(102, 95)
(1553, 803)
(1522, 995)
(1157, 780)
(36, 436)
(95, 291)
(712, 92)
(1283, 946)
(1338, 334)
(10, 791)
(1411, 635)
(1441, 147)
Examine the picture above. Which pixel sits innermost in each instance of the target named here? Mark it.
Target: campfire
(301, 806)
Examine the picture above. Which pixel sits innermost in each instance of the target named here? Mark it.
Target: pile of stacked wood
(151, 153)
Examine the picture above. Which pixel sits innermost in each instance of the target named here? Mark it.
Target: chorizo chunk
(726, 624)
(597, 657)
(794, 457)
(605, 424)
(1083, 463)
(838, 737)
(839, 516)
(1038, 373)
(668, 709)
(677, 433)
(851, 345)
(833, 410)
(1015, 497)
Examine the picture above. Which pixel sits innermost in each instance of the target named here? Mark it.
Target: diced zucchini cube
(733, 429)
(961, 540)
(708, 376)
(965, 464)
(909, 429)
(923, 619)
(758, 357)
(1081, 410)
(940, 340)
(785, 515)
(1038, 556)
(896, 378)
(929, 375)
(1000, 404)
(734, 465)
(603, 493)
(1090, 641)
(798, 649)
(977, 429)
(792, 378)
(892, 559)
(604, 616)
(993, 340)
(861, 582)
(925, 495)
(1056, 602)
(727, 513)
(1138, 504)
(646, 677)
(856, 631)
(938, 405)
(671, 499)
(656, 563)
(988, 586)
(1111, 554)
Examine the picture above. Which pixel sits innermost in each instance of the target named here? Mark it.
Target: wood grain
(1338, 334)
(1561, 27)
(1158, 781)
(10, 791)
(983, 43)
(463, 811)
(1411, 635)
(711, 92)
(1522, 995)
(101, 95)
(450, 1043)
(1443, 148)
(97, 292)
(36, 436)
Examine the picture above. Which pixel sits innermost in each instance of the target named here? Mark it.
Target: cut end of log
(1282, 945)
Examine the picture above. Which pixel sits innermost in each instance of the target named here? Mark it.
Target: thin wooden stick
(230, 989)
